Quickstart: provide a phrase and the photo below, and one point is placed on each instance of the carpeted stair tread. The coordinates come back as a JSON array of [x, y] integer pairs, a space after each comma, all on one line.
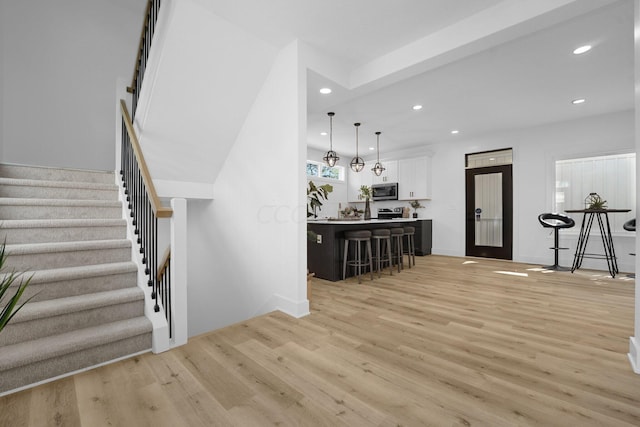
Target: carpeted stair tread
[[24, 353], [80, 272], [38, 248], [22, 201], [55, 174], [58, 184], [56, 307], [27, 231], [62, 223]]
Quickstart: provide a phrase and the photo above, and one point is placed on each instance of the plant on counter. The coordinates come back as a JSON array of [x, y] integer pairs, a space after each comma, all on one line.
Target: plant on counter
[[415, 204], [315, 195], [9, 308], [365, 192]]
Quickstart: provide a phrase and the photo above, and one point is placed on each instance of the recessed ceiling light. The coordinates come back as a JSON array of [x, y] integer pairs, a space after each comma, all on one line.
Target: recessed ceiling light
[[372, 148], [578, 101], [455, 131], [323, 133], [417, 107], [325, 91], [582, 49]]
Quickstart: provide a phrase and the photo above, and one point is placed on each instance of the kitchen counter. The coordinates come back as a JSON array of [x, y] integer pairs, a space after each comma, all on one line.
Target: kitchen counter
[[360, 221], [324, 255]]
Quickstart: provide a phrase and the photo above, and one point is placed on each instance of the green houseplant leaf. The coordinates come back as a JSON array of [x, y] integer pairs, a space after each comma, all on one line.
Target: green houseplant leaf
[[10, 307]]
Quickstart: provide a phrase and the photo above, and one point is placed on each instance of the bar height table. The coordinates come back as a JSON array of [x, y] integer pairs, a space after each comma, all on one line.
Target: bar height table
[[605, 232]]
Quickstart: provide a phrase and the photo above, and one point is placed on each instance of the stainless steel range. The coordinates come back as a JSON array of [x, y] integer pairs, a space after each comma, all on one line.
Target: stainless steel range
[[389, 213]]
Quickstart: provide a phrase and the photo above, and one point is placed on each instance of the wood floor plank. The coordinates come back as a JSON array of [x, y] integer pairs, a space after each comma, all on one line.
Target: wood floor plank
[[449, 342]]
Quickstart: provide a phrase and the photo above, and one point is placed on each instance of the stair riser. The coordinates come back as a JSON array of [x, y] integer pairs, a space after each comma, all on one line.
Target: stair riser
[[70, 288], [40, 371], [59, 212], [38, 192], [52, 174], [16, 236], [16, 332], [41, 261]]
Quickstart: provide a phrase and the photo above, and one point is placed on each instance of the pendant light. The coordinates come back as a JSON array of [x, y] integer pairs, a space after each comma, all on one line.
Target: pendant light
[[331, 157], [357, 164], [378, 168]]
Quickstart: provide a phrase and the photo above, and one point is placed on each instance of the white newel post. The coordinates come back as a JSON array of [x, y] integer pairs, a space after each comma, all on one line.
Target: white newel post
[[179, 271]]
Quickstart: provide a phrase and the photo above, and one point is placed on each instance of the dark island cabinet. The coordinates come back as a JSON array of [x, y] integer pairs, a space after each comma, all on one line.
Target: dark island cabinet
[[324, 254]]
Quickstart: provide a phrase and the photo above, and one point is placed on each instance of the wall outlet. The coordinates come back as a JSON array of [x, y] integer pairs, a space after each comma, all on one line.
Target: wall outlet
[[319, 238]]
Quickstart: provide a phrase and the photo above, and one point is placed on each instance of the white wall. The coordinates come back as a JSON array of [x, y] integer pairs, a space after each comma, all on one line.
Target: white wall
[[247, 248], [204, 76], [535, 151], [61, 62]]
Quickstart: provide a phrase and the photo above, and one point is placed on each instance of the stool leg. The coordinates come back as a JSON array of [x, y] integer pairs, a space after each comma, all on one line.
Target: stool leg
[[556, 247], [378, 256], [388, 247], [344, 263], [413, 249], [370, 258], [358, 258]]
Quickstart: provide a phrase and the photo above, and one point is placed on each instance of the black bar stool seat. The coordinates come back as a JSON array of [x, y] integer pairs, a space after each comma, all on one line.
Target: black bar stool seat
[[382, 238], [556, 221], [358, 237]]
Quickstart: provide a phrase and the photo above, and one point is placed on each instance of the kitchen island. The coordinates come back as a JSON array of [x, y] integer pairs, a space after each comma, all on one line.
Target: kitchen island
[[324, 255]]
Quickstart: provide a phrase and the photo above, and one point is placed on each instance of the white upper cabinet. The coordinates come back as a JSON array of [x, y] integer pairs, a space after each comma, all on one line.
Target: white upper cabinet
[[355, 180], [414, 178], [390, 173]]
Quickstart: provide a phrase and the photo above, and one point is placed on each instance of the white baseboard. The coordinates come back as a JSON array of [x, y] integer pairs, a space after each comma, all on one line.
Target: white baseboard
[[634, 354], [288, 306]]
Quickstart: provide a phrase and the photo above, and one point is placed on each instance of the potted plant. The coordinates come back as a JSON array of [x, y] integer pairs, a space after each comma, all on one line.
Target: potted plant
[[594, 201], [315, 195], [10, 307], [415, 204], [366, 194]]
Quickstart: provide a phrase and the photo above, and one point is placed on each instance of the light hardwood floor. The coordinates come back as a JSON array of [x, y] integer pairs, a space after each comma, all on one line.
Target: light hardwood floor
[[450, 342]]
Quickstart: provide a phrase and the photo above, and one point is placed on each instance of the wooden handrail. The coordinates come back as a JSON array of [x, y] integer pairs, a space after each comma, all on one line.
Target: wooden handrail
[[131, 88], [166, 259], [158, 209]]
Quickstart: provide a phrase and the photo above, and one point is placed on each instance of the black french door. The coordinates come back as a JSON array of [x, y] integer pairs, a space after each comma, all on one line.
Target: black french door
[[489, 212]]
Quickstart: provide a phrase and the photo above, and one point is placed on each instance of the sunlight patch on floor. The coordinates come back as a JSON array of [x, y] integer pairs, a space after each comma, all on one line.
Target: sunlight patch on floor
[[470, 262], [512, 273]]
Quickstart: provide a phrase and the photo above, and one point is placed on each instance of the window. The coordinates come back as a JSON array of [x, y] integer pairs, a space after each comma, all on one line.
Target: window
[[320, 170], [612, 177]]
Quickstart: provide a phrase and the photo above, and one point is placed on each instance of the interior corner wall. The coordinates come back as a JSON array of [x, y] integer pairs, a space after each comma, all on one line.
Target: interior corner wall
[[61, 63], [247, 247], [535, 152]]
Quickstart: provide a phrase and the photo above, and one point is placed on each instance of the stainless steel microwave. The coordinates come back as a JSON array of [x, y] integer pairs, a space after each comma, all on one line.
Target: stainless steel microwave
[[386, 191]]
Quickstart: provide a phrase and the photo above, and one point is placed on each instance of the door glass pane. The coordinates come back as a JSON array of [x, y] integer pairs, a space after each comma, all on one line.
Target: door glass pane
[[488, 210]]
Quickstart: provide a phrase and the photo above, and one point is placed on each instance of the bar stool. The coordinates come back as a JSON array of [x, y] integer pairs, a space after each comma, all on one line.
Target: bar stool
[[556, 221], [382, 235], [409, 232], [397, 250], [630, 226], [358, 237]]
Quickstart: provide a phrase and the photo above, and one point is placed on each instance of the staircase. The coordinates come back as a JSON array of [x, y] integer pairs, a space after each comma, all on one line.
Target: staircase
[[66, 227]]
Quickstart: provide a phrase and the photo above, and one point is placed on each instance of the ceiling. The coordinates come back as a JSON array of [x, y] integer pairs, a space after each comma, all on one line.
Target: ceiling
[[528, 80]]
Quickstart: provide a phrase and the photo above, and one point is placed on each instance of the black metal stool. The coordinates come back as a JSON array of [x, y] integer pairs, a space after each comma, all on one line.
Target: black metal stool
[[382, 237], [397, 249], [409, 232], [630, 226], [556, 221], [358, 237]]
